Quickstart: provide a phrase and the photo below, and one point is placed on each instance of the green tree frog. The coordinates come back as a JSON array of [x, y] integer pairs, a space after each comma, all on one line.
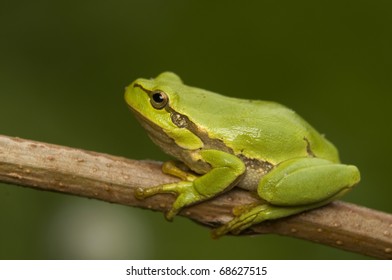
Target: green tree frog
[[259, 146]]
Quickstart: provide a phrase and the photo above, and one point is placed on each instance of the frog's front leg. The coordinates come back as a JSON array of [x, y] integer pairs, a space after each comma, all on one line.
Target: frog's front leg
[[226, 170], [294, 186]]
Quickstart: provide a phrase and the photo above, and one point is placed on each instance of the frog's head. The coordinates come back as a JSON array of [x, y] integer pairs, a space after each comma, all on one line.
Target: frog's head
[[155, 103], [151, 97]]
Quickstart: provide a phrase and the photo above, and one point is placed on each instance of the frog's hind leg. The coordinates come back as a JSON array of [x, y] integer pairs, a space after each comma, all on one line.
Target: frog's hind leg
[[292, 187], [263, 212]]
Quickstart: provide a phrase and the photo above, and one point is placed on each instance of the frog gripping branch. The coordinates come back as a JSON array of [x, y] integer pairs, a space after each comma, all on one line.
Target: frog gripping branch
[[259, 146]]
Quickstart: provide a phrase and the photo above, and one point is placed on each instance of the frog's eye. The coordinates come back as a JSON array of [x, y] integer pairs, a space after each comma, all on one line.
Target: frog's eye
[[158, 99]]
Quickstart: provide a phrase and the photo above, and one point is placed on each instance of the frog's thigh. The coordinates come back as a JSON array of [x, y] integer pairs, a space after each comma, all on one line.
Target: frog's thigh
[[304, 181]]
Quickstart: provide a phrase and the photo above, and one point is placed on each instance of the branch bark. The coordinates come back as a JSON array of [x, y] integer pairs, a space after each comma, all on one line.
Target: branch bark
[[114, 179]]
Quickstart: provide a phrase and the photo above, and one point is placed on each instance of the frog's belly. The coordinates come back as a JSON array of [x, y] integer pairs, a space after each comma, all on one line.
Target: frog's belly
[[255, 170]]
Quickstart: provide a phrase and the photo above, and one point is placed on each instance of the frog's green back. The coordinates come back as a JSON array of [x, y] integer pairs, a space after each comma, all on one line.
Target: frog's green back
[[256, 129]]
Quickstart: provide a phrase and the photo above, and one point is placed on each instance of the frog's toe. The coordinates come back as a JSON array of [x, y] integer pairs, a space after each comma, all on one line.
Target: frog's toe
[[169, 215], [219, 232], [241, 209], [247, 218], [235, 226], [140, 193]]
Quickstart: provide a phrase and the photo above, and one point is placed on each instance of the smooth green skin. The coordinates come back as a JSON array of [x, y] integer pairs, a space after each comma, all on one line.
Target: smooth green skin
[[256, 145]]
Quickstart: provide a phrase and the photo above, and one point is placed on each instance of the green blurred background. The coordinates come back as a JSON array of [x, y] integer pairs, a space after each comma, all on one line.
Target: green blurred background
[[64, 66]]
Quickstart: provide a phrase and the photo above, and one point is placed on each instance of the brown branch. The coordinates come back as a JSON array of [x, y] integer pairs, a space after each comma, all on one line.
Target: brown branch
[[114, 179]]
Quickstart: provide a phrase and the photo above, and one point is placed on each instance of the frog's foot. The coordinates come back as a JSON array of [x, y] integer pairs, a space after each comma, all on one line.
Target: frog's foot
[[186, 195], [255, 215], [242, 220], [185, 191], [226, 169]]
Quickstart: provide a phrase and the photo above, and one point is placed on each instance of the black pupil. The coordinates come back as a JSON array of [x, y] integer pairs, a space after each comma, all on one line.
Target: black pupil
[[158, 98]]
